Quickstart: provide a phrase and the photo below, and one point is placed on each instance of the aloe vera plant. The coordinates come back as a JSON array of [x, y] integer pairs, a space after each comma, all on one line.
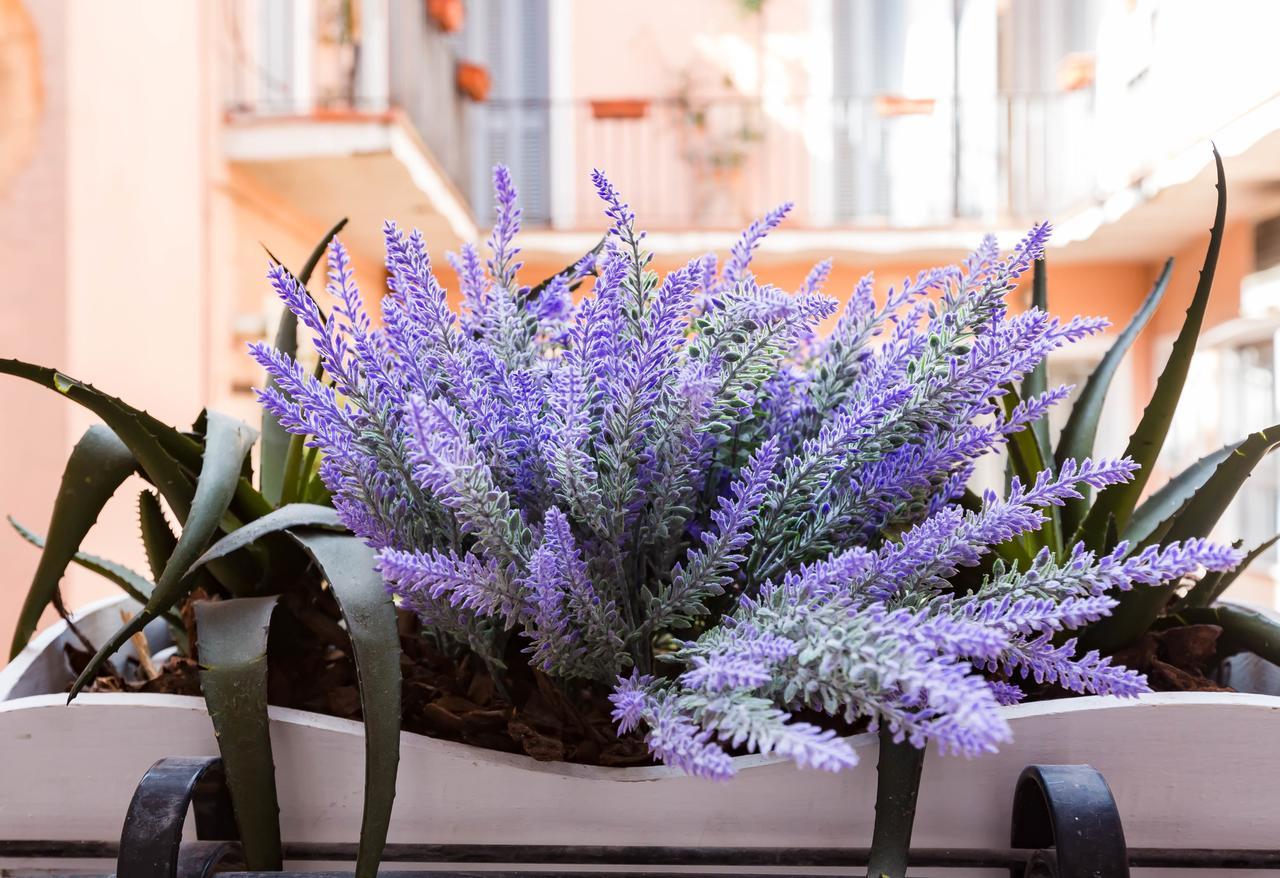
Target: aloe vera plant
[[1188, 506], [245, 541]]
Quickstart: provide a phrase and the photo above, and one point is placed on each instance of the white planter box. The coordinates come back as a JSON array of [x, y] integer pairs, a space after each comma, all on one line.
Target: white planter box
[[1188, 770]]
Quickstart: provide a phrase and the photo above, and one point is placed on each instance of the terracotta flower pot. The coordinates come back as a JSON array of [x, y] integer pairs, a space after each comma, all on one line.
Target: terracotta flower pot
[[620, 108], [447, 15], [473, 80], [899, 105]]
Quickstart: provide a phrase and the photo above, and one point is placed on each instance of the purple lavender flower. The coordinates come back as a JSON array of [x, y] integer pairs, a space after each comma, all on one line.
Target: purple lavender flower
[[684, 458], [736, 268], [506, 226]]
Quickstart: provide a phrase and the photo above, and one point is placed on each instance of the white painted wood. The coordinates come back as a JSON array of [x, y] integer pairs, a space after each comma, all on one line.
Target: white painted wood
[[1188, 770], [42, 667]]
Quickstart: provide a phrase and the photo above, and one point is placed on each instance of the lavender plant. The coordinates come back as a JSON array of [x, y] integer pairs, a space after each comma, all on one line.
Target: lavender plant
[[678, 489]]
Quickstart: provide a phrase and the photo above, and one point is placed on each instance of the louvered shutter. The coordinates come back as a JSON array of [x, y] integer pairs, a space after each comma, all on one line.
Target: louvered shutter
[[868, 58], [511, 37]]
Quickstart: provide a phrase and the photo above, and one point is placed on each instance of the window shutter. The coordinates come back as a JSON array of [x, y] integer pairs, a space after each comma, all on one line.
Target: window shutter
[[275, 49], [870, 43], [513, 127]]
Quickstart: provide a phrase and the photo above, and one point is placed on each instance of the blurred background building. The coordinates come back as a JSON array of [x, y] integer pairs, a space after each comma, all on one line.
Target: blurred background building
[[150, 150]]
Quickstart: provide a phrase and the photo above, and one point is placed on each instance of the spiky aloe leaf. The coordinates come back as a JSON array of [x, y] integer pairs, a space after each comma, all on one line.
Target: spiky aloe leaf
[[1081, 429], [1140, 607], [1037, 380], [98, 465], [158, 539], [1028, 457], [1201, 512], [1147, 440], [1158, 509], [227, 443], [165, 454], [158, 543], [233, 678], [536, 289], [1242, 629], [275, 439], [132, 583], [283, 519], [370, 617], [1205, 592]]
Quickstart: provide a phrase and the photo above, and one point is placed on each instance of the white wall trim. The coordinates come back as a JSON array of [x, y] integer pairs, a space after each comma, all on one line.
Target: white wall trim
[[266, 141]]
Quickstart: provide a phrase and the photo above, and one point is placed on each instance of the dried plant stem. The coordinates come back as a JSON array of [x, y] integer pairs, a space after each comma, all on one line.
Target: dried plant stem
[[145, 665]]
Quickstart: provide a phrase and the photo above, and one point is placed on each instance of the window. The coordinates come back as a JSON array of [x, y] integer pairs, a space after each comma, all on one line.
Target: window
[[514, 126], [1231, 391]]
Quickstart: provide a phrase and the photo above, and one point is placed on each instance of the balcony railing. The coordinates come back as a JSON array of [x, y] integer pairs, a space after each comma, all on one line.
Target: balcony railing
[[869, 162], [685, 162], [333, 58]]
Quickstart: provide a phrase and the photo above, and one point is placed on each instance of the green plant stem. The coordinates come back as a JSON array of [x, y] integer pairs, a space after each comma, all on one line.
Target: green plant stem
[[308, 469], [292, 470], [897, 787]]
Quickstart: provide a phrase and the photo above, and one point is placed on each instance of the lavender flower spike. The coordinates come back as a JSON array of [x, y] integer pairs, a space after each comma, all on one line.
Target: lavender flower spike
[[678, 489]]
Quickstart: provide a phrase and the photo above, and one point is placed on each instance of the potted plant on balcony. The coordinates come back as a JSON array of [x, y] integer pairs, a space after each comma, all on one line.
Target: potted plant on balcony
[[667, 518], [447, 15], [473, 80]]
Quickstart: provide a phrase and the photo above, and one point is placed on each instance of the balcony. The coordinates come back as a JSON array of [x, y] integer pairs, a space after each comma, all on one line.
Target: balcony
[[366, 121], [347, 109], [859, 163]]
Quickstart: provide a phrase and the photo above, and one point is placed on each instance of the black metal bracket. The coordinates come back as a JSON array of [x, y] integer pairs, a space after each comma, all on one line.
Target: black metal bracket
[[1067, 815], [151, 841]]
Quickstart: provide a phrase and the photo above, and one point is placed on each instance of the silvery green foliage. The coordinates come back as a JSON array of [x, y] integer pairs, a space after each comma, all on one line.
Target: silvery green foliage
[[677, 488]]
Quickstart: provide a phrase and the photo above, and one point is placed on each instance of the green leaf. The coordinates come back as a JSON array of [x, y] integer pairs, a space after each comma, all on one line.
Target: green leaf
[[227, 444], [158, 543], [98, 465], [1027, 459], [1081, 429], [1202, 511], [370, 617], [158, 539], [134, 584], [536, 289], [1139, 607], [1037, 380], [1205, 592], [275, 439], [284, 518], [1160, 507], [233, 678], [166, 455], [1242, 629], [1147, 440]]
